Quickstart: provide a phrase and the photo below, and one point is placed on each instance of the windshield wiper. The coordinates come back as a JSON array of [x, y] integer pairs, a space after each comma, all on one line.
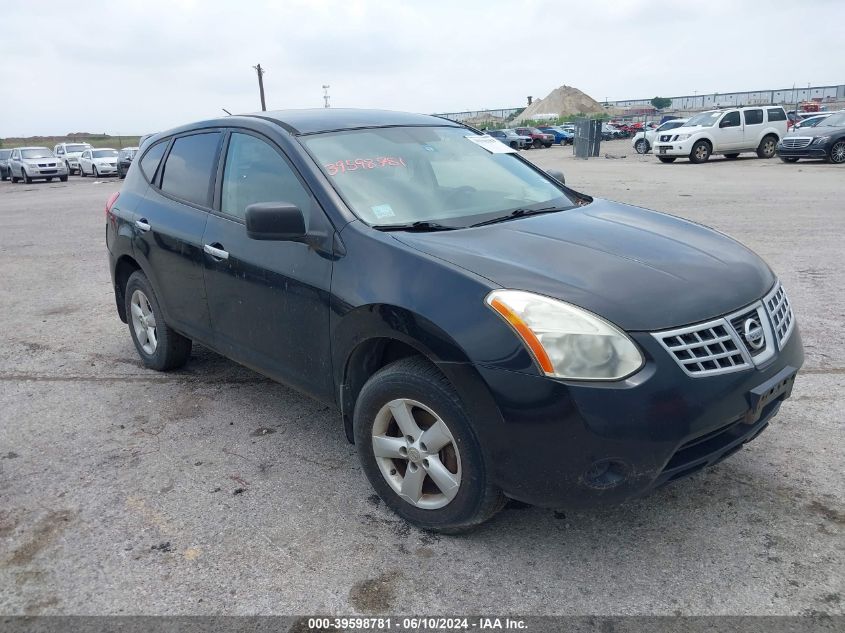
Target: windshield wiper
[[422, 225], [520, 213]]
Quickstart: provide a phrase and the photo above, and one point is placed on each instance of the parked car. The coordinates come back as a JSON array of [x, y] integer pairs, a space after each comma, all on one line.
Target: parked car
[[98, 162], [508, 137], [4, 163], [812, 121], [538, 139], [296, 242], [729, 132], [643, 141], [124, 160], [562, 137], [69, 153], [826, 140], [35, 163]]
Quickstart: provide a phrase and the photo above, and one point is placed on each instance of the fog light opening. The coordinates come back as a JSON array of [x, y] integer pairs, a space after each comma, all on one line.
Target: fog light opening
[[606, 473]]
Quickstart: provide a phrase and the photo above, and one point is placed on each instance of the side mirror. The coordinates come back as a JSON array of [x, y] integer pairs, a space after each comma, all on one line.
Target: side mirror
[[557, 175], [274, 221]]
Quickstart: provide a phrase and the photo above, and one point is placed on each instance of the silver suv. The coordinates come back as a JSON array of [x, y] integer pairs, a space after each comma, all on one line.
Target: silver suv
[[30, 163], [69, 154]]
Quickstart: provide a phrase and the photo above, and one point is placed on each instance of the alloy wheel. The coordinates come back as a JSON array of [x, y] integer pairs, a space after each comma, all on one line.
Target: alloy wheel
[[769, 148], [701, 152], [640, 147], [837, 152], [144, 322], [416, 454]]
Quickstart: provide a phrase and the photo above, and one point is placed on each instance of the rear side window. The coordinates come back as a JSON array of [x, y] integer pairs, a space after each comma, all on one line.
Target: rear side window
[[189, 167], [753, 117], [777, 114], [255, 172], [149, 163]]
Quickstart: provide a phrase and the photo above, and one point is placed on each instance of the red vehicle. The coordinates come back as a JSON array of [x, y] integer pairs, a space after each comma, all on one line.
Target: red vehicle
[[538, 139]]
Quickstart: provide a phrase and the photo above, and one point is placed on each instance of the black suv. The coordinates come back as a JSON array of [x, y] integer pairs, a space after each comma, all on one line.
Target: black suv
[[485, 331]]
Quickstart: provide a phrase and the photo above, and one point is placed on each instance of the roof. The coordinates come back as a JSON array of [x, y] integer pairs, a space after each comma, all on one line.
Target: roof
[[315, 120]]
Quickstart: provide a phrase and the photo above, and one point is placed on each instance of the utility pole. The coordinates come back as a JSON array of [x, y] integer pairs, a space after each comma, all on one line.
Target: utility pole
[[326, 95], [260, 71]]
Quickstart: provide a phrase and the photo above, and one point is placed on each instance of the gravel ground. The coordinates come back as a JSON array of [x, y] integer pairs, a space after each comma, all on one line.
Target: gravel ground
[[213, 490]]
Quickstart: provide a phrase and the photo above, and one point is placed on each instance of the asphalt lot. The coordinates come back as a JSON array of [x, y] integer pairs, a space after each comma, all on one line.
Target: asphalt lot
[[118, 486]]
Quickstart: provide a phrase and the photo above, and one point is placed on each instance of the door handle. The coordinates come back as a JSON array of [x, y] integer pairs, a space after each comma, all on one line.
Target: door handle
[[217, 253], [142, 225]]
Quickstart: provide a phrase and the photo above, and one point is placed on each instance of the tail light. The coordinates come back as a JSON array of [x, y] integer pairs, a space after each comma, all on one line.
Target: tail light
[[110, 202]]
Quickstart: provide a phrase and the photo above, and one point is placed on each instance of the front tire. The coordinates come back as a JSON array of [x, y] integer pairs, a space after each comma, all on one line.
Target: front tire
[[837, 153], [82, 173], [700, 152], [641, 146], [767, 147], [94, 172], [418, 450], [27, 180], [537, 144], [160, 347]]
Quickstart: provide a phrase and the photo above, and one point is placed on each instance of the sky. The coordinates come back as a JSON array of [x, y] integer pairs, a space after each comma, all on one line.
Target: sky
[[138, 67]]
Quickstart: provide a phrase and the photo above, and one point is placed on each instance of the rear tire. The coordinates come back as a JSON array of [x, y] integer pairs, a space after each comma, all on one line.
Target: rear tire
[[767, 147], [667, 159], [413, 391], [160, 347], [789, 159]]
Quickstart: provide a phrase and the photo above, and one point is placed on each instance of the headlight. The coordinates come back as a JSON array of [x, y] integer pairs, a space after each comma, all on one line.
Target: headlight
[[567, 341], [821, 140], [682, 137]]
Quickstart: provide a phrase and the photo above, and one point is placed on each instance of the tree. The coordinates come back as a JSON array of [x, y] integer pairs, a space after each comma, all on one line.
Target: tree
[[661, 102]]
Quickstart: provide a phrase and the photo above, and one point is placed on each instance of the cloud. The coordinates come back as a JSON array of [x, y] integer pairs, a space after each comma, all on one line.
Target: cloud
[[140, 67]]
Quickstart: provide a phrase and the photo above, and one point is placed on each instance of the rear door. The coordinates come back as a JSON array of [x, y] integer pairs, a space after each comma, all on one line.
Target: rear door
[[269, 300], [730, 136], [754, 126], [169, 224]]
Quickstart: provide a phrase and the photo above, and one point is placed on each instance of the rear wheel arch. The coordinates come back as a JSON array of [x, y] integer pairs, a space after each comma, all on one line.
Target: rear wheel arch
[[123, 269]]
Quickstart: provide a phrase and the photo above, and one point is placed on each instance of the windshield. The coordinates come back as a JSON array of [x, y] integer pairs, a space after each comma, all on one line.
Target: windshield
[[402, 175], [36, 152], [670, 125], [72, 149], [104, 153], [834, 120], [705, 119]]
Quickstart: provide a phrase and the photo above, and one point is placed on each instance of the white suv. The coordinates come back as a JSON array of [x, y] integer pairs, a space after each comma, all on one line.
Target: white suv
[[730, 132], [69, 154]]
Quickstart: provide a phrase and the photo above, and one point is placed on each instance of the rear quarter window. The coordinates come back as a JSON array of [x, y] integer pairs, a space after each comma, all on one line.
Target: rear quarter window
[[149, 163], [776, 114]]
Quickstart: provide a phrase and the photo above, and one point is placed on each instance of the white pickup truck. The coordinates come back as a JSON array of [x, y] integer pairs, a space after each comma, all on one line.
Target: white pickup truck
[[729, 132]]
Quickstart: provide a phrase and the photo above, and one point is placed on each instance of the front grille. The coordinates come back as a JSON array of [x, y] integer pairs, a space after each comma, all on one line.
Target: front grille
[[706, 349], [798, 142], [780, 312], [46, 164], [738, 324]]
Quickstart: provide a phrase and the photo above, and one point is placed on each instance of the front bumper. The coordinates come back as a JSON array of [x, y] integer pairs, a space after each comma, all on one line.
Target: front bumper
[[675, 148], [105, 170], [562, 444], [811, 151]]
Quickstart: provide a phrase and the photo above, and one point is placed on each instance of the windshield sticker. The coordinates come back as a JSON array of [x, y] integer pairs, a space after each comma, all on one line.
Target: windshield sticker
[[491, 144], [343, 166], [382, 211]]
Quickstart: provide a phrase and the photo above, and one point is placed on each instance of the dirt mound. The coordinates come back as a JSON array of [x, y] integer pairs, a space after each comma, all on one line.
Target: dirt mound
[[562, 101]]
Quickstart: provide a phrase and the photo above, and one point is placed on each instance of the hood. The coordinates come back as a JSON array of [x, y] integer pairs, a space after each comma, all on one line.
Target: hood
[[640, 269]]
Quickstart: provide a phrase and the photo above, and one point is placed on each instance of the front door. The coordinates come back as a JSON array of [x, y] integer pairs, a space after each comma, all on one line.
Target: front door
[[730, 132], [268, 300]]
